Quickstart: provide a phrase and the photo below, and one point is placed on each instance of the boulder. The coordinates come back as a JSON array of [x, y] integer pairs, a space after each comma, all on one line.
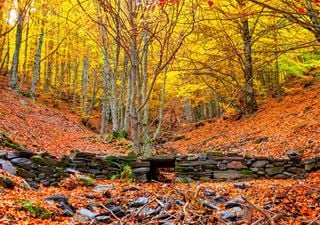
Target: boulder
[[295, 170], [229, 175], [260, 163], [7, 166], [236, 165], [274, 170]]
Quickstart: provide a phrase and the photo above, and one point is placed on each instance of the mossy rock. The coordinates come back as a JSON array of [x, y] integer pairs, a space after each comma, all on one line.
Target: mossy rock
[[24, 173], [86, 181], [309, 167], [36, 210], [38, 160], [215, 153], [274, 170], [246, 172], [6, 182]]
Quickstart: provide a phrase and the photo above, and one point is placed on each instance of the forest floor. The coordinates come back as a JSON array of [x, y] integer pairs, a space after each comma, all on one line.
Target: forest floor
[[278, 126], [290, 124]]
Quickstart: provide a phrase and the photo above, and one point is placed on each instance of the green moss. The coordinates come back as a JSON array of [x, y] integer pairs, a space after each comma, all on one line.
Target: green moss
[[246, 172], [87, 181], [127, 174], [38, 160], [6, 182], [36, 210], [215, 153]]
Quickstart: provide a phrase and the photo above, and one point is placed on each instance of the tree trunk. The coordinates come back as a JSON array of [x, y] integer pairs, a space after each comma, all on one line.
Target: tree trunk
[[36, 69], [15, 61], [250, 101], [85, 81]]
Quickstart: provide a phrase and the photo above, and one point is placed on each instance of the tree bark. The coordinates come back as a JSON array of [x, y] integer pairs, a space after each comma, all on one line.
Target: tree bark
[[250, 100], [15, 61], [36, 68]]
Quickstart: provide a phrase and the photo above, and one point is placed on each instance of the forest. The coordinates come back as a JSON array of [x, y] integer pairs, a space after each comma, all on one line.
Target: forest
[[159, 112]]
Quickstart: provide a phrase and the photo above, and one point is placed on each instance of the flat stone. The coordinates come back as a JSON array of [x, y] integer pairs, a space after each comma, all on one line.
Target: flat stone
[[102, 188], [87, 213], [229, 175], [141, 170], [7, 166], [274, 170], [260, 163], [234, 202], [210, 205], [309, 167], [57, 198], [102, 218], [293, 155], [3, 154], [22, 162], [236, 165], [222, 166], [141, 201], [25, 173], [228, 215], [295, 170]]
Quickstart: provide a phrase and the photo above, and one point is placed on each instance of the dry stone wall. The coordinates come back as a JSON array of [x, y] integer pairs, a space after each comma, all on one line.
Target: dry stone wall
[[43, 168], [215, 165]]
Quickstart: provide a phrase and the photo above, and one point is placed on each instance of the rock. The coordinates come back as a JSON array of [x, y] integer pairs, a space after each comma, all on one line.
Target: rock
[[25, 153], [280, 176], [274, 170], [234, 203], [209, 193], [141, 201], [102, 218], [57, 198], [260, 163], [116, 210], [228, 216], [211, 206], [47, 170], [219, 199], [87, 213], [102, 188], [141, 178], [67, 209], [71, 171], [7, 166], [45, 182], [295, 170], [230, 174], [141, 170], [6, 182], [168, 223], [240, 185], [11, 155], [22, 162], [222, 166], [3, 154], [293, 155], [179, 202], [33, 185], [37, 160], [309, 167], [236, 165], [24, 173]]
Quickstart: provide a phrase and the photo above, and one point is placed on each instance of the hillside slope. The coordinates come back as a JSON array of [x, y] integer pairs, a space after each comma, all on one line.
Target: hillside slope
[[42, 128], [291, 124]]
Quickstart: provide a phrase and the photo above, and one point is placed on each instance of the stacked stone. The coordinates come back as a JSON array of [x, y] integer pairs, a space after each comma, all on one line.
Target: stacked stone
[[48, 170], [215, 165]]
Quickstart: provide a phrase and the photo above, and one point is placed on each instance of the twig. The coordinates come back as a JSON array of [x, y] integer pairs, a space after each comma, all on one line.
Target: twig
[[315, 220], [106, 208], [267, 215]]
